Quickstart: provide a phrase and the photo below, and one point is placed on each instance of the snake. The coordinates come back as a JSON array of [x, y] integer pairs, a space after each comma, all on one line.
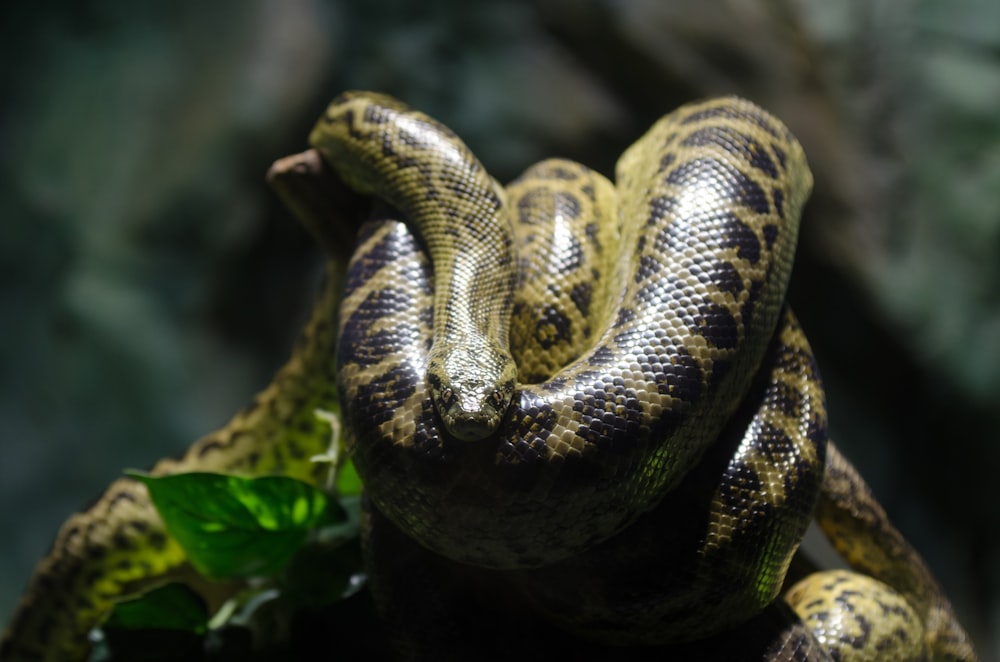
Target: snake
[[591, 395]]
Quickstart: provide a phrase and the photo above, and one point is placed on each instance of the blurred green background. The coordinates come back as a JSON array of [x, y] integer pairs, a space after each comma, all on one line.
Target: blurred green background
[[151, 282]]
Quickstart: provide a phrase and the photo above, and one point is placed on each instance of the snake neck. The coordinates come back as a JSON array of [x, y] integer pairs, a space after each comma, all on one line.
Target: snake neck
[[380, 147], [470, 369]]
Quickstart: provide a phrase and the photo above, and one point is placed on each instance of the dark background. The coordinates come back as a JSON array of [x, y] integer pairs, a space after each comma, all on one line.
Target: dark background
[[151, 283]]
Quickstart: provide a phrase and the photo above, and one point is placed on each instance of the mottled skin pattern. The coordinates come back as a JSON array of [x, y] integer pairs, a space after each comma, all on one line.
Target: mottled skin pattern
[[564, 221], [664, 544], [861, 532], [852, 612]]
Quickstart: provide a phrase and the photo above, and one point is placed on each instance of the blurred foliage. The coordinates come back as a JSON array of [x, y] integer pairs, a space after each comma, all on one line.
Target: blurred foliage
[[152, 284], [300, 548]]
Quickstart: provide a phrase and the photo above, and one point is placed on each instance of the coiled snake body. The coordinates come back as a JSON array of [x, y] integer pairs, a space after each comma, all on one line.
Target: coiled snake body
[[592, 396], [696, 275]]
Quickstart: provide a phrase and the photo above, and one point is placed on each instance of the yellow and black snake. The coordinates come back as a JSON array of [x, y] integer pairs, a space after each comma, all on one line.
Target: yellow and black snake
[[588, 396]]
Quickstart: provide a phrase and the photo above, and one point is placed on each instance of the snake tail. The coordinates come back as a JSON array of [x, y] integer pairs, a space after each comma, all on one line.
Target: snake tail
[[889, 600]]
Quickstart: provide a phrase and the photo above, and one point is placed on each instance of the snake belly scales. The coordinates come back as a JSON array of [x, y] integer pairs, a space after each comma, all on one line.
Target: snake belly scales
[[570, 382]]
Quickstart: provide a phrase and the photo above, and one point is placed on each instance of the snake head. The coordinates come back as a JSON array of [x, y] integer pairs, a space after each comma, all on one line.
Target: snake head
[[471, 390]]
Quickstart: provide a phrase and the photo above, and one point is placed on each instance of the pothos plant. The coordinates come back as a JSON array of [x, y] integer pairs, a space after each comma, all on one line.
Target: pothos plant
[[293, 548]]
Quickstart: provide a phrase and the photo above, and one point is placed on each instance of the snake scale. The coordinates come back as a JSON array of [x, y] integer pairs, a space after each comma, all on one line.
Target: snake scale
[[587, 400]]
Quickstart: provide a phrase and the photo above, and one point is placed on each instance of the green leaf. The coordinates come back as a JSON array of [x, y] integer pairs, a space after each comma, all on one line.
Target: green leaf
[[170, 607], [322, 573], [233, 527], [168, 623], [348, 480]]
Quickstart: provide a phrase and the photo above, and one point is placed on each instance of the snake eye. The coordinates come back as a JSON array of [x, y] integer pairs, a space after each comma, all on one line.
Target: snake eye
[[497, 399], [446, 396]]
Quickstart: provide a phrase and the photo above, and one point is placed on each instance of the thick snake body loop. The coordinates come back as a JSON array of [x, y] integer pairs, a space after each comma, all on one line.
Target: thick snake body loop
[[709, 204], [566, 225], [716, 549]]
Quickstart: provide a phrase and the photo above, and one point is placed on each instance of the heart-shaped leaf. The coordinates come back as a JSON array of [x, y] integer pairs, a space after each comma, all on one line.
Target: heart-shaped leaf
[[233, 527]]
